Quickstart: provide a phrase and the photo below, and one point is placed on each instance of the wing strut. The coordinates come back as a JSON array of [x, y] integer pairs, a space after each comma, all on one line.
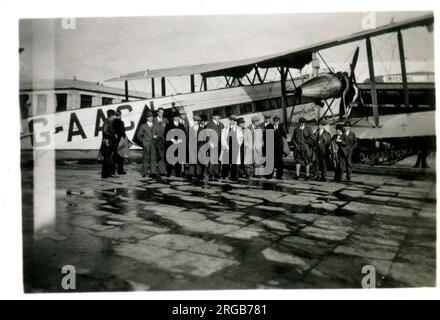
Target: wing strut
[[283, 72], [403, 69], [372, 83]]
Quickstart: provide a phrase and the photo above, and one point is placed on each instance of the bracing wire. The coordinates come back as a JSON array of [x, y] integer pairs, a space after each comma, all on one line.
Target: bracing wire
[[374, 56], [172, 86], [325, 62], [387, 70]]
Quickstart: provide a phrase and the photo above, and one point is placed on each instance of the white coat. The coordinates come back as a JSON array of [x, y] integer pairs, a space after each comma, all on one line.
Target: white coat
[[238, 137]]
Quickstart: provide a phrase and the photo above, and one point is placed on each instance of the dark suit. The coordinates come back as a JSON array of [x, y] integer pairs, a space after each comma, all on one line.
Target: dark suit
[[178, 166], [107, 148], [345, 150], [302, 139], [214, 169], [279, 135], [350, 144], [161, 124], [185, 123], [320, 147], [196, 168], [146, 135], [422, 145], [119, 128], [264, 126], [229, 164]]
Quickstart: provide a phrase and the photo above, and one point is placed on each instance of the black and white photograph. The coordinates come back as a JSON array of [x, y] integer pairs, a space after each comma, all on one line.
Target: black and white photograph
[[266, 151]]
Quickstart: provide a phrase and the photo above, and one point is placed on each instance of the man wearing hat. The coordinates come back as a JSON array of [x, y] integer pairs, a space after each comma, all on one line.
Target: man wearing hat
[[202, 126], [321, 145], [267, 121], [267, 124], [185, 122], [253, 146], [231, 140], [338, 152], [184, 119], [350, 143], [107, 148], [279, 135], [174, 124], [203, 120], [302, 140], [122, 144], [216, 126], [148, 133], [196, 168], [242, 170], [160, 121]]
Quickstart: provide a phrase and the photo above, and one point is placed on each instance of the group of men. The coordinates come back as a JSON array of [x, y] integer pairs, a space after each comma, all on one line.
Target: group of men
[[234, 150], [319, 147], [230, 151]]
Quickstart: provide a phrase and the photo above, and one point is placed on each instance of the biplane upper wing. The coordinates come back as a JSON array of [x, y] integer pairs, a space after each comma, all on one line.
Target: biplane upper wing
[[296, 58]]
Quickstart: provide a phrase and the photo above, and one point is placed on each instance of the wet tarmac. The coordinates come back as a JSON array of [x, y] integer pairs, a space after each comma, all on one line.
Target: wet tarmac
[[132, 233]]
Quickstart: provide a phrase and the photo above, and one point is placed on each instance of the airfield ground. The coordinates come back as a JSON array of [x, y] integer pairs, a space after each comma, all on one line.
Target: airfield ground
[[133, 233]]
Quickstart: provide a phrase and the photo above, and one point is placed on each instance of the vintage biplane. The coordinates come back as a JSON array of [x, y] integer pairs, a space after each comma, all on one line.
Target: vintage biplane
[[249, 92]]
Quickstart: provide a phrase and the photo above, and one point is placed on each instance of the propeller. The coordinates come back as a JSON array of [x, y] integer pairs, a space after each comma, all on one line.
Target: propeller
[[353, 65], [351, 82]]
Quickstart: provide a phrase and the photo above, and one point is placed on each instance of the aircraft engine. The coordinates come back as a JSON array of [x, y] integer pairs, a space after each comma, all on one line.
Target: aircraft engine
[[324, 86]]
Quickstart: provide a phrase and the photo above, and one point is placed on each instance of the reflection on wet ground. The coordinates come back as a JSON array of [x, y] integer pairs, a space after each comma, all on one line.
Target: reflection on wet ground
[[133, 233]]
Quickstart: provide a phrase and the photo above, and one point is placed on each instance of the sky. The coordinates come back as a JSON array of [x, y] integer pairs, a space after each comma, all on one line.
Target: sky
[[97, 49]]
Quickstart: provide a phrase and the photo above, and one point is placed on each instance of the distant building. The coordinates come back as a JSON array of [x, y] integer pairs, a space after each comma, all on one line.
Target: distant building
[[390, 94], [419, 76], [60, 95]]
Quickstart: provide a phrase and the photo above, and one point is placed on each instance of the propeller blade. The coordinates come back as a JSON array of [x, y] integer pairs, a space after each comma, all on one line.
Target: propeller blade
[[353, 63]]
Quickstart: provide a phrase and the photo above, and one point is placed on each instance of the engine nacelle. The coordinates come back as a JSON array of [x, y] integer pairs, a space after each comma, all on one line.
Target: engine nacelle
[[325, 86]]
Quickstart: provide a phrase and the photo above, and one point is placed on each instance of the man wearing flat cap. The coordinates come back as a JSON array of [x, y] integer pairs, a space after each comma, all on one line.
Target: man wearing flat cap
[[341, 150], [267, 120], [255, 121], [350, 144], [216, 126], [302, 140]]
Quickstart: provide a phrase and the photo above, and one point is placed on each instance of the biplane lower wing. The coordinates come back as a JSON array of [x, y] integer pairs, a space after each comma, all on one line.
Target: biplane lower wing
[[396, 126]]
